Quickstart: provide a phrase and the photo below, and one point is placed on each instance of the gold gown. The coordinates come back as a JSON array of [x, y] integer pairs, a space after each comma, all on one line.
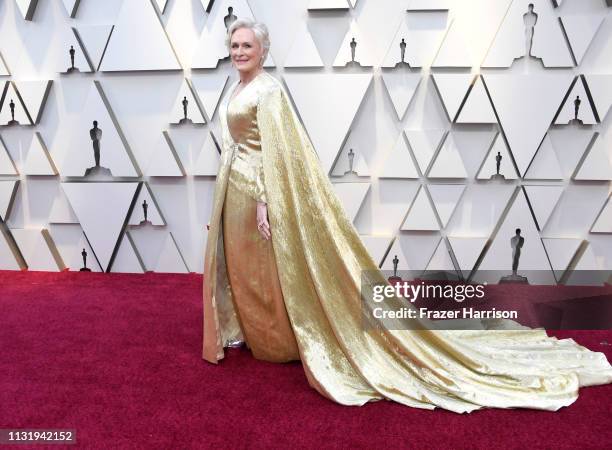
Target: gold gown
[[316, 258]]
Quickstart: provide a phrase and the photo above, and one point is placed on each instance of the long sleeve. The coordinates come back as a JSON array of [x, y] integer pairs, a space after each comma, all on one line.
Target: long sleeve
[[260, 186]]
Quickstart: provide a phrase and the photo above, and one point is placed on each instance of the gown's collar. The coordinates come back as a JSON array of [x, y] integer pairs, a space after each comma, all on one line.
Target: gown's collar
[[231, 98]]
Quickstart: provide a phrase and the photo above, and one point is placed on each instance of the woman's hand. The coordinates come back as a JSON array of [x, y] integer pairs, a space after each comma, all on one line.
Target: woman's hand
[[263, 226]]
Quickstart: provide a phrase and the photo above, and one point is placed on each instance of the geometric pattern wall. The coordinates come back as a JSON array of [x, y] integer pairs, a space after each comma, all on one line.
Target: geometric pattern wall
[[410, 104]]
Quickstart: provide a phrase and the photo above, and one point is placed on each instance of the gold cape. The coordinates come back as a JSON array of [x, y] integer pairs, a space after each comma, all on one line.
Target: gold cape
[[320, 259]]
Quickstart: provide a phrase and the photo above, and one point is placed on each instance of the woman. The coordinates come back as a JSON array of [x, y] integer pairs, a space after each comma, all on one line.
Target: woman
[[283, 266]]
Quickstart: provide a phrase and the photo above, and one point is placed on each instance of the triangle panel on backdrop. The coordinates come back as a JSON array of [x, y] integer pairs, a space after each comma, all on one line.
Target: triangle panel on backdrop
[[94, 40], [38, 160], [8, 189], [377, 246], [424, 144], [351, 195], [441, 260], [165, 161], [161, 5], [413, 250], [603, 223], [488, 170], [542, 200], [533, 261], [561, 252], [209, 88], [194, 114], [401, 87], [422, 43], [545, 164], [27, 8], [208, 160], [452, 89], [454, 50], [71, 242], [597, 164], [71, 7], [576, 106], [570, 145], [34, 95], [38, 249], [477, 107], [399, 162], [61, 211], [114, 154], [589, 269], [421, 216], [127, 259], [327, 103], [445, 198], [7, 166], [481, 210], [139, 41], [586, 271], [580, 30], [71, 47], [354, 41], [11, 96], [303, 51], [8, 255], [601, 90], [146, 202], [207, 5], [102, 210], [466, 251], [170, 259], [526, 105], [448, 162], [547, 44], [4, 71], [471, 32]]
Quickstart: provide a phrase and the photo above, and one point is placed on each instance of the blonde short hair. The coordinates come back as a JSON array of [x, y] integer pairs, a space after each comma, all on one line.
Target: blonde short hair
[[259, 29]]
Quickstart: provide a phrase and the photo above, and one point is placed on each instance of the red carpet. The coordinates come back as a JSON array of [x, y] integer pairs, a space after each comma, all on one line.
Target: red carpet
[[117, 357]]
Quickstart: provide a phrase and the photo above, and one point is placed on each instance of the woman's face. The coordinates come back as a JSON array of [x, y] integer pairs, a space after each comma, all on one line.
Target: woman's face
[[245, 50]]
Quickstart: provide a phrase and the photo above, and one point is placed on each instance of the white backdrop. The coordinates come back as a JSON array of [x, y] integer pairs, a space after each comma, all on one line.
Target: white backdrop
[[424, 134]]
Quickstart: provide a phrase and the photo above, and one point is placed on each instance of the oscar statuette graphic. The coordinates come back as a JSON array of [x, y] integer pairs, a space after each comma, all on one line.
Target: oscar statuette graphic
[[516, 242], [395, 278], [84, 268]]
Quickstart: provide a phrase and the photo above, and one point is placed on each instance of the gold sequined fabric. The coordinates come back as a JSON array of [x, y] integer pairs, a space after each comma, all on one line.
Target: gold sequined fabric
[[319, 259], [247, 164], [256, 290]]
